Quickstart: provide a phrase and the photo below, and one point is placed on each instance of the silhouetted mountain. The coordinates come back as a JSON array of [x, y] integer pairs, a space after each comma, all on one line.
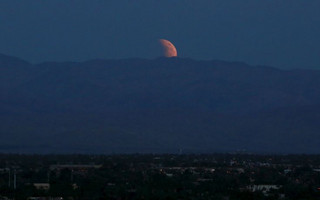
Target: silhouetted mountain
[[160, 105]]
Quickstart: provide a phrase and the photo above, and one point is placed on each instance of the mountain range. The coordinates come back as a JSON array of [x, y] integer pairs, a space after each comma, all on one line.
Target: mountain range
[[162, 105]]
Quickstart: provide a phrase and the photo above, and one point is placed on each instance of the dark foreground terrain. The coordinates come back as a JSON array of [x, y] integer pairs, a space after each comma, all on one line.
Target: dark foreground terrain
[[217, 176]]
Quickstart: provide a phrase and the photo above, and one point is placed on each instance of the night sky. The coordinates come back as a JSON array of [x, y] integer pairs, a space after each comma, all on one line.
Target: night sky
[[279, 33]]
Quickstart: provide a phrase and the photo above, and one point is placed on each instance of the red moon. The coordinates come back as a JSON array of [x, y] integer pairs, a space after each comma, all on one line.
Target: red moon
[[168, 48]]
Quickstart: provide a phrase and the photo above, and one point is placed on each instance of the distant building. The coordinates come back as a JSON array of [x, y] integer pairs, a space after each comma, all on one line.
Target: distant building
[[265, 189], [75, 167], [4, 170], [44, 198], [286, 171], [42, 186], [4, 198]]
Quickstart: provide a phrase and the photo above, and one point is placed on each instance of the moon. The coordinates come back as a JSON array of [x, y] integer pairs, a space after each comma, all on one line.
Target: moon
[[169, 49]]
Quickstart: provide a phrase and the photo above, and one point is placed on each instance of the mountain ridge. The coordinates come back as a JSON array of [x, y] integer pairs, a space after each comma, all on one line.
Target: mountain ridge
[[157, 105]]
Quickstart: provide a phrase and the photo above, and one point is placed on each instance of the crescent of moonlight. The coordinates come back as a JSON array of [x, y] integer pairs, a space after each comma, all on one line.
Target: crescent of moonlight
[[168, 48]]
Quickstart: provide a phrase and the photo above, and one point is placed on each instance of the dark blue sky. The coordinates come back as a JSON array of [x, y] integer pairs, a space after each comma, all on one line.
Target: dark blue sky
[[280, 33]]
